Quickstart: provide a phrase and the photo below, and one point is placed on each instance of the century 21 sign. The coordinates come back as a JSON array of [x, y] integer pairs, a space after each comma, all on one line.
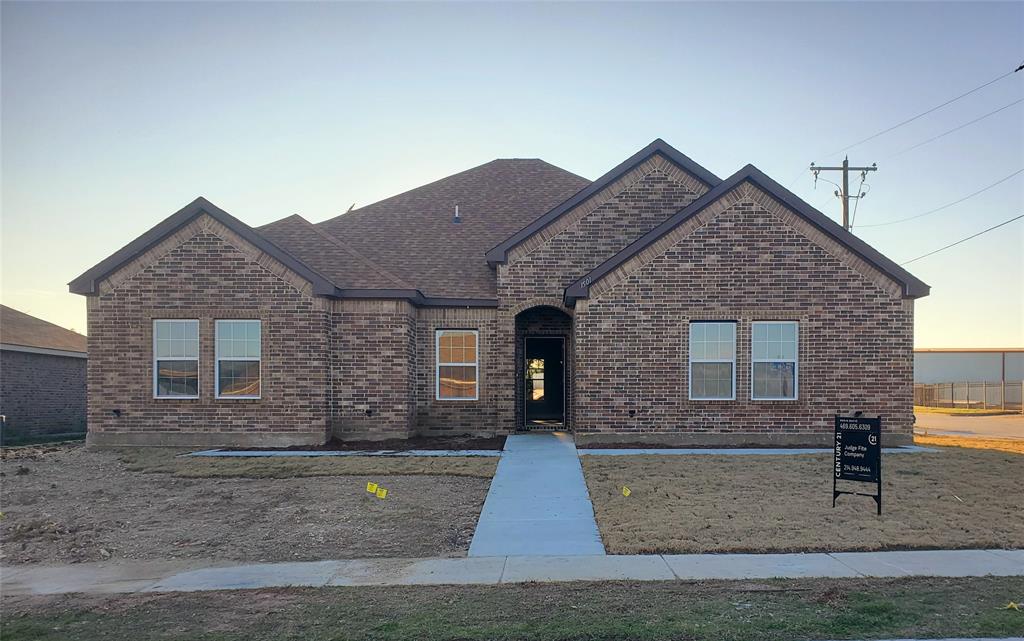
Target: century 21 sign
[[858, 454]]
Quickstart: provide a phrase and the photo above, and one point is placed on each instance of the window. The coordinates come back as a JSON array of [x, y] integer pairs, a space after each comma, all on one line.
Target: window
[[774, 360], [176, 358], [712, 361], [238, 358], [457, 365]]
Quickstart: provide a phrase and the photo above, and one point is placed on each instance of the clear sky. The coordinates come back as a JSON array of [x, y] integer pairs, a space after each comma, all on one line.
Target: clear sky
[[115, 115]]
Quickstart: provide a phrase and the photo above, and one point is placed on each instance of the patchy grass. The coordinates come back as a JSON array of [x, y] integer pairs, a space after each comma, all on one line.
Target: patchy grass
[[161, 460], [703, 611], [961, 411], [955, 498], [972, 442]]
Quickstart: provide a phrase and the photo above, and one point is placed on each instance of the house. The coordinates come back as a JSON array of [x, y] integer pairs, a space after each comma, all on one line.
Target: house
[[42, 378], [657, 303]]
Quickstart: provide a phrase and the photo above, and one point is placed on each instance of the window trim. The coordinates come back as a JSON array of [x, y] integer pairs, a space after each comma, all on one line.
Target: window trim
[[795, 361], [692, 360], [217, 359], [156, 360], [438, 365]]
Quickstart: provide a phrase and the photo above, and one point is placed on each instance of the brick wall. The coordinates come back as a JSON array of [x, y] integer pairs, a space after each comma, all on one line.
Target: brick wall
[[373, 366], [41, 394], [493, 411], [596, 230], [206, 272], [748, 259], [539, 269]]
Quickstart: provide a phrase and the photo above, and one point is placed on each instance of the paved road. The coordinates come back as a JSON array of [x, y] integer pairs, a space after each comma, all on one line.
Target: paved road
[[1011, 426]]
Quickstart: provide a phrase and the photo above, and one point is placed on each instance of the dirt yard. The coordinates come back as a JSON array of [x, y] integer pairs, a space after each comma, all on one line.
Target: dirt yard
[[954, 498], [66, 504]]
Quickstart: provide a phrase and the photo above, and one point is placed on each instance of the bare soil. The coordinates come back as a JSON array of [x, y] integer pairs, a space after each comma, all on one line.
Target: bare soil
[[455, 442], [953, 498], [66, 504]]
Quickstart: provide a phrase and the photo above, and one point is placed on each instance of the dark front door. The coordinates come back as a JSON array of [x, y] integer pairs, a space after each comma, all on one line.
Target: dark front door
[[544, 387]]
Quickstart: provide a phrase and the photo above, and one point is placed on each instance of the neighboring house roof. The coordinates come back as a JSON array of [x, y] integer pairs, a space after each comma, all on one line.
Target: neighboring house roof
[[18, 329], [88, 282], [912, 287], [499, 253], [413, 237]]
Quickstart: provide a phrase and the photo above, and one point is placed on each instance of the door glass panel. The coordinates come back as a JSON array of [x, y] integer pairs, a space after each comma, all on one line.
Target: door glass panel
[[535, 374]]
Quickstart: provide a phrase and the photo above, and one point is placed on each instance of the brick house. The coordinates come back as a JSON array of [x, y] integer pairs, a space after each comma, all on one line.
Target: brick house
[[42, 377], [658, 303]]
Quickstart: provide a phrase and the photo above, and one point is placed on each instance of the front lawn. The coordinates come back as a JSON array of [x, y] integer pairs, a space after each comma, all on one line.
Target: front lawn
[[788, 610], [66, 504], [953, 498]]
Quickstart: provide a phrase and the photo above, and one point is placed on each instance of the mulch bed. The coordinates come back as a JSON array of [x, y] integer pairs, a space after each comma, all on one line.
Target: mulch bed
[[695, 446], [459, 442]]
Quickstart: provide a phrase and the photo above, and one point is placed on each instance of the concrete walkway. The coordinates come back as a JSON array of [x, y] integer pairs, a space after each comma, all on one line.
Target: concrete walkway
[[183, 576], [538, 503]]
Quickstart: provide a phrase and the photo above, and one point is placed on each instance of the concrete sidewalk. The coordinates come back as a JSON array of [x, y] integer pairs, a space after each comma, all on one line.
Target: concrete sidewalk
[[111, 577], [538, 503]]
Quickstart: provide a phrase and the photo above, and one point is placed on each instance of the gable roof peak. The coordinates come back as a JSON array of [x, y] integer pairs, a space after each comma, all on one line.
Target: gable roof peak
[[912, 286], [88, 283], [499, 253]]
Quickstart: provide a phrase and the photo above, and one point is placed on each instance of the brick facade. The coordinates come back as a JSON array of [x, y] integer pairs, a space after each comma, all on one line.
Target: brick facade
[[366, 367], [742, 263], [373, 366], [41, 394], [205, 272], [492, 412]]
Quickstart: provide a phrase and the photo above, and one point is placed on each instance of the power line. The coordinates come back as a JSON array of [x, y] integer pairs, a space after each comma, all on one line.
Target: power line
[[947, 205], [964, 240], [954, 129], [925, 113]]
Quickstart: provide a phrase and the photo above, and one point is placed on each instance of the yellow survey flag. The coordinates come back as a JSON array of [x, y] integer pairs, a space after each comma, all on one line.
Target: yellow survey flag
[[382, 492], [626, 491], [371, 487]]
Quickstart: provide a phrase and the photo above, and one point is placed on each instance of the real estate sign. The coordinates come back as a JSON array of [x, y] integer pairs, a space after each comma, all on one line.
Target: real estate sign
[[857, 454]]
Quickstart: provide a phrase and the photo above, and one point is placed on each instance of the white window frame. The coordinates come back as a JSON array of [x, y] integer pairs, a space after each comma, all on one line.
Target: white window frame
[[692, 360], [438, 364], [217, 359], [156, 361], [795, 361]]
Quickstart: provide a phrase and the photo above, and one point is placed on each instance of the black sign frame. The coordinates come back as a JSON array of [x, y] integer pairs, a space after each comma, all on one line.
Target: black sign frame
[[857, 454]]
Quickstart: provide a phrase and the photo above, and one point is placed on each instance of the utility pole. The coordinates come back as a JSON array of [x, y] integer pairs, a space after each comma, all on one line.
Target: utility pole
[[844, 194]]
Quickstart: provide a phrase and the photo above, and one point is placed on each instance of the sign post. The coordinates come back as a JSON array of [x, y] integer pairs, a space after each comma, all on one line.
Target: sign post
[[858, 454]]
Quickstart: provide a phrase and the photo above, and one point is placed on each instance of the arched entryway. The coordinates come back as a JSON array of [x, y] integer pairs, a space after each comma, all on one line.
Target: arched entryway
[[543, 368]]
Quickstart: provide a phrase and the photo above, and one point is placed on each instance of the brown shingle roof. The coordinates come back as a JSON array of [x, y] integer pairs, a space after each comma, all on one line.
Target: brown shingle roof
[[328, 255], [413, 238], [18, 328]]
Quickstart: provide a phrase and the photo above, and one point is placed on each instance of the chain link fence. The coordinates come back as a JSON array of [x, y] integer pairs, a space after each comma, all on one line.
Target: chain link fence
[[971, 395]]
